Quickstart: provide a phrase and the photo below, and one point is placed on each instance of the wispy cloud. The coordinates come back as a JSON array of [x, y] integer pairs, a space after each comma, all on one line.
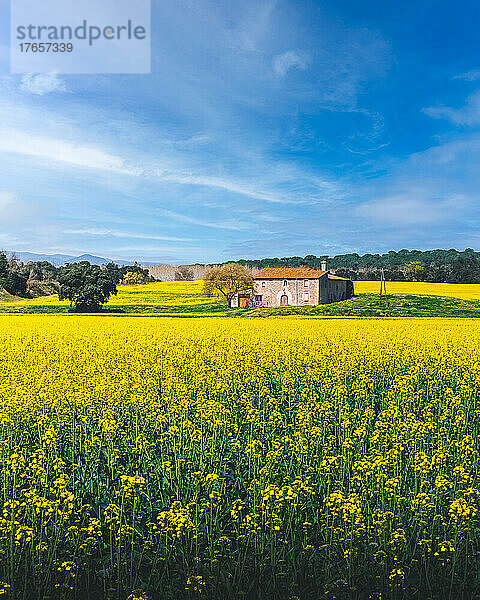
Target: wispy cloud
[[91, 156], [469, 114], [253, 26], [233, 225], [413, 207], [50, 149], [154, 249], [244, 188], [12, 208], [8, 240], [6, 199], [292, 59], [126, 234], [42, 83], [468, 76]]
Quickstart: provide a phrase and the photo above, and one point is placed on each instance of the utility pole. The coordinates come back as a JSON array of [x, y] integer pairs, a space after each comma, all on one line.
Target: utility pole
[[383, 286]]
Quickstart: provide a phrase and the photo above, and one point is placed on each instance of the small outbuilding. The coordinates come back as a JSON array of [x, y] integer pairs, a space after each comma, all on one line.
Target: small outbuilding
[[294, 287]]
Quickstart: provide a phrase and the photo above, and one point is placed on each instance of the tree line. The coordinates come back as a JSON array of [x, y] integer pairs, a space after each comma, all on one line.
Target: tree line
[[87, 286], [439, 266]]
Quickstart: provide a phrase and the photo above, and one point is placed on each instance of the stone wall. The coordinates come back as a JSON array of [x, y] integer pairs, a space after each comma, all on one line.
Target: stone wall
[[336, 290], [167, 272]]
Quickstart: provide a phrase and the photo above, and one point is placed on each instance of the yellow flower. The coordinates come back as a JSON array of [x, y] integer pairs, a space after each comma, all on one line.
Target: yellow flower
[[138, 595], [195, 583]]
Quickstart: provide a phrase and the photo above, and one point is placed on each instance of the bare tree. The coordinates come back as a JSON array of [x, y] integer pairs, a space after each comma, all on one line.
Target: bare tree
[[227, 280], [13, 263]]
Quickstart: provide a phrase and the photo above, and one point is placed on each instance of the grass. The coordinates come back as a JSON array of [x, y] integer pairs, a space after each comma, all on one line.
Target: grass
[[370, 305], [6, 297]]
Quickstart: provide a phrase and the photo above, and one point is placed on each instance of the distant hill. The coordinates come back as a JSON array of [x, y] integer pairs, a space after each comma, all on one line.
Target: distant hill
[[60, 259]]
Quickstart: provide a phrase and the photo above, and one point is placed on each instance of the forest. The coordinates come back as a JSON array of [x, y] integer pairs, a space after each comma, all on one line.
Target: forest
[[440, 266]]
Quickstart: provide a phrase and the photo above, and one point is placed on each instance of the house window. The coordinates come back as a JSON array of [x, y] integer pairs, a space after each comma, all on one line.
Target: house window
[[306, 282], [305, 296], [263, 283], [284, 283], [258, 298]]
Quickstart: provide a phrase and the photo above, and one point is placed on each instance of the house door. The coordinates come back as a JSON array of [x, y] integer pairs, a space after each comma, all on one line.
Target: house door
[[283, 300], [244, 302]]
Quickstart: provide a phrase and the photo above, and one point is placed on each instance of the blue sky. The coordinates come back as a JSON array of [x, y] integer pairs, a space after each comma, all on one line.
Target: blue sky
[[266, 128]]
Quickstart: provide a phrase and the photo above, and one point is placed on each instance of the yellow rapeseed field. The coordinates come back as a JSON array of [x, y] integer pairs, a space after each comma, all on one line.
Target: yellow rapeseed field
[[176, 294], [167, 293], [464, 291], [232, 458]]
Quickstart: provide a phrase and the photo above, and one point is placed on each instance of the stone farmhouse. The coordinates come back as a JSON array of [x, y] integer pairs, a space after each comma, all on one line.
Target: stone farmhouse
[[294, 287]]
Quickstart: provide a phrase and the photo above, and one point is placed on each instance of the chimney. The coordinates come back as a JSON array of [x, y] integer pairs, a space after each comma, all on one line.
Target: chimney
[[324, 265]]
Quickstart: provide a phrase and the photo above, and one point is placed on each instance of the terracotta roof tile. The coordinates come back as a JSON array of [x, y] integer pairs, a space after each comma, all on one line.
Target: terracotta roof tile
[[288, 273]]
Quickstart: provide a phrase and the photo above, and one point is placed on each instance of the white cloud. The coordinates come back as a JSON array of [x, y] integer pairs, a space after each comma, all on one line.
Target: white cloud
[[289, 60], [7, 240], [42, 83], [193, 141], [253, 27], [121, 234], [148, 250], [92, 157], [229, 185], [233, 225], [50, 149], [468, 76], [415, 207], [469, 114], [7, 199]]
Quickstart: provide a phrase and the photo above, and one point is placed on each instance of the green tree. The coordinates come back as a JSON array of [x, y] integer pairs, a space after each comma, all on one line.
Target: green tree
[[3, 265], [86, 286], [10, 277], [227, 280], [136, 268], [134, 278], [39, 271], [14, 284], [414, 269], [114, 271]]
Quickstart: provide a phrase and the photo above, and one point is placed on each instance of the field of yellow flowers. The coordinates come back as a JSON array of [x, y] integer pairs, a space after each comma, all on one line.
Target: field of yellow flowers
[[177, 296], [239, 458], [188, 296], [464, 291]]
